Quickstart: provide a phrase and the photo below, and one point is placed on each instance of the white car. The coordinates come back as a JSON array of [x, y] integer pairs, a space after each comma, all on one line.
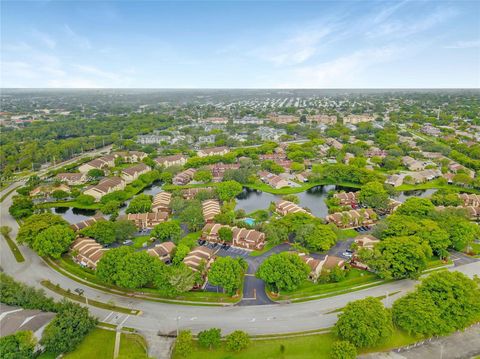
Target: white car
[[346, 254]]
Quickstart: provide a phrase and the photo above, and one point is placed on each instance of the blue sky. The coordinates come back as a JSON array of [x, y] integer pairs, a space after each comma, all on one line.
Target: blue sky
[[240, 44]]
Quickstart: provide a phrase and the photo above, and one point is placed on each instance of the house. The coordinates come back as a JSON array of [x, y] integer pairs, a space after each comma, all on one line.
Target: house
[[273, 180], [214, 151], [146, 220], [161, 202], [456, 168], [470, 199], [206, 139], [286, 207], [16, 319], [190, 193], [87, 223], [163, 251], [317, 266], [248, 120], [152, 139], [323, 119], [174, 160], [353, 218], [430, 130], [72, 179], [199, 257], [334, 143], [87, 252], [131, 156], [425, 175], [47, 190], [354, 119], [376, 152], [241, 237], [210, 209], [130, 174], [215, 120], [347, 198], [105, 186], [395, 180], [98, 163], [184, 177], [219, 169], [413, 164], [270, 133], [366, 241], [283, 119]]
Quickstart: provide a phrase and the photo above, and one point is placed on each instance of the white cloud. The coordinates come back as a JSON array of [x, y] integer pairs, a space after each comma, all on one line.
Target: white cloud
[[46, 39], [468, 44], [81, 41], [95, 71]]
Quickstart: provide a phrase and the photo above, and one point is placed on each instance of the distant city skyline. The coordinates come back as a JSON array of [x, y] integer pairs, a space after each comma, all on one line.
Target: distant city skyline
[[233, 44]]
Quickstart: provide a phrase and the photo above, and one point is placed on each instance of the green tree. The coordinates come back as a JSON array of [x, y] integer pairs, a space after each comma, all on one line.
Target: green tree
[[373, 195], [181, 279], [316, 237], [34, 225], [225, 234], [85, 199], [210, 338], [67, 330], [343, 349], [59, 194], [228, 190], [110, 208], [5, 231], [53, 241], [283, 271], [167, 231], [416, 207], [95, 173], [102, 231], [227, 273], [184, 343], [22, 207], [192, 216], [180, 253], [20, 345], [124, 230], [364, 323], [140, 204], [237, 341], [400, 257], [203, 176]]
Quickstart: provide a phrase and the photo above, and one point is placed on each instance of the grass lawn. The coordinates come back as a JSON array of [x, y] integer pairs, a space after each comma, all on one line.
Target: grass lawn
[[343, 234], [132, 346], [355, 277], [73, 204], [435, 184], [14, 248], [315, 346], [267, 247], [98, 344], [292, 190], [138, 241]]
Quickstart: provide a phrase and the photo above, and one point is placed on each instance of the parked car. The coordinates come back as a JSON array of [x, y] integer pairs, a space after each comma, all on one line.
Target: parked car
[[347, 254], [127, 242]]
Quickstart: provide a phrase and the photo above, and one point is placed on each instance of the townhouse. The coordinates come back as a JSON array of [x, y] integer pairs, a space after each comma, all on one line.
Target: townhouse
[[283, 119], [161, 202], [84, 224], [131, 156], [219, 169], [214, 151], [323, 119], [130, 174], [105, 186], [184, 177], [319, 266], [353, 218], [199, 258], [190, 193], [354, 119], [248, 120], [210, 209], [241, 237], [286, 207], [98, 163], [87, 252], [146, 220], [347, 198], [72, 179], [174, 160], [273, 180], [47, 190], [163, 251], [366, 241], [470, 199], [413, 164]]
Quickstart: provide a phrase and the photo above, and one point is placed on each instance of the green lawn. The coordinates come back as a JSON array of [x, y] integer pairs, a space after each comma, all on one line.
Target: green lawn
[[355, 277], [343, 234], [315, 346], [434, 184], [14, 248], [292, 190], [98, 344], [132, 346], [267, 247], [138, 241]]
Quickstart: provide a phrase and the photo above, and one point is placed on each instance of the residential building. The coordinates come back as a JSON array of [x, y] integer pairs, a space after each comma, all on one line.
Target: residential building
[[353, 218], [248, 120], [270, 133], [153, 139], [131, 156], [319, 266], [218, 169], [47, 190], [98, 163], [323, 119], [241, 237], [395, 180], [87, 252], [413, 164], [146, 220], [286, 207], [354, 119], [283, 119], [161, 202], [347, 198], [184, 177], [210, 209], [215, 120], [430, 130], [214, 151], [470, 199], [72, 179], [366, 241], [84, 224], [198, 258], [334, 143], [206, 139], [163, 251], [105, 186], [130, 174], [174, 160], [190, 193], [273, 180]]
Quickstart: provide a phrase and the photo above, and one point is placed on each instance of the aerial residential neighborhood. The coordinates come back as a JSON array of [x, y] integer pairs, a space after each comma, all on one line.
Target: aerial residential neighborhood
[[240, 179]]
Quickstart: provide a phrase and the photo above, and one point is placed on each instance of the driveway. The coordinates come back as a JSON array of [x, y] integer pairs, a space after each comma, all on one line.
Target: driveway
[[459, 258]]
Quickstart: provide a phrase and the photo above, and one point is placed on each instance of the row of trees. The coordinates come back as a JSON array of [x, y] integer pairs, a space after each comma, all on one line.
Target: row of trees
[[211, 339]]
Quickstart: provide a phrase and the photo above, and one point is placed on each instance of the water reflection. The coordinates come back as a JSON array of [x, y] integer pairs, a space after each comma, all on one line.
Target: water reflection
[[74, 215]]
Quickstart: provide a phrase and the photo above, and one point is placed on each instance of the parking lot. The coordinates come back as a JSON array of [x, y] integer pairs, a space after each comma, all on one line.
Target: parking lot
[[226, 251]]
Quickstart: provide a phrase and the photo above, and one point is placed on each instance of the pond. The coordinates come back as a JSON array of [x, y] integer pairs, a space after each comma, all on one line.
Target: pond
[[314, 199], [74, 215], [251, 200]]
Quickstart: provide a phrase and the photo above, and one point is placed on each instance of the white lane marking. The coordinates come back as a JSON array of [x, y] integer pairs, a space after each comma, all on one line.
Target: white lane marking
[[123, 322], [193, 318], [253, 320], [108, 316]]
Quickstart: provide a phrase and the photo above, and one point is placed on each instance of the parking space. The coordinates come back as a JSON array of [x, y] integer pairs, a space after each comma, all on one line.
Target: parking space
[[226, 251]]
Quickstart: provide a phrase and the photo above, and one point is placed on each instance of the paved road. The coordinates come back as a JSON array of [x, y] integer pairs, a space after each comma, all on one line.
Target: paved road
[[164, 318]]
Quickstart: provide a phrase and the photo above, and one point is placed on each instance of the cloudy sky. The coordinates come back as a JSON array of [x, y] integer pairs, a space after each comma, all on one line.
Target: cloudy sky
[[240, 44]]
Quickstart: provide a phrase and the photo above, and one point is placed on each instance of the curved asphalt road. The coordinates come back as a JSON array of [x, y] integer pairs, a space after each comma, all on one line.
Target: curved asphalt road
[[166, 318]]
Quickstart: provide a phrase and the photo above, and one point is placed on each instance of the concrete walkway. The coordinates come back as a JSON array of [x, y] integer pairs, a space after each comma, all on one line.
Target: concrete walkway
[[460, 345], [116, 351], [159, 347]]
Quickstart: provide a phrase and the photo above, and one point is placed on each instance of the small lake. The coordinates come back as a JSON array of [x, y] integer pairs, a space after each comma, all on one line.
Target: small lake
[[74, 215], [314, 198]]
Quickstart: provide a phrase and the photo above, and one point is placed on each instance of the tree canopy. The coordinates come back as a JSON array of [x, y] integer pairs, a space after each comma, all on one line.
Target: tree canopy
[[227, 273]]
